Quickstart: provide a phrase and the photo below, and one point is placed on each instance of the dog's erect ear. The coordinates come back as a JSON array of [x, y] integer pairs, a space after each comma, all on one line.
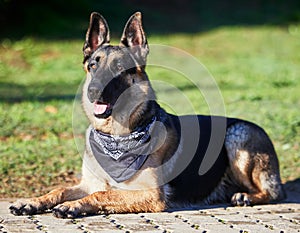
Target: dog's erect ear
[[134, 36], [97, 35]]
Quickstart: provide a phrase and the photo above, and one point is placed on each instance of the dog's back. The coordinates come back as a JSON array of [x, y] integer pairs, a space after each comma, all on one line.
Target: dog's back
[[234, 160]]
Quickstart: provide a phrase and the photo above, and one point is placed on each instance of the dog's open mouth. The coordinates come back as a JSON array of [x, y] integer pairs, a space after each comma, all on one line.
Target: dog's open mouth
[[102, 110]]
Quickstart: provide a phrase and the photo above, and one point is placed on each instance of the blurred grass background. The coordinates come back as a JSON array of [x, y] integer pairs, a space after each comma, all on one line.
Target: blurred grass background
[[252, 49]]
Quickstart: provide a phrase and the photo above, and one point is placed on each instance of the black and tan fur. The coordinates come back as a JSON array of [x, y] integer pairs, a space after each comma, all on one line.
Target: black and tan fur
[[245, 173]]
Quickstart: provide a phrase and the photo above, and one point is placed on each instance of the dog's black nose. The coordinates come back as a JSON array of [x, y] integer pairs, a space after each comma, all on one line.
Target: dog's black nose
[[93, 93]]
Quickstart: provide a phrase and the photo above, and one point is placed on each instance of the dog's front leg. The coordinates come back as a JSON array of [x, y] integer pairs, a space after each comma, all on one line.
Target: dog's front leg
[[112, 201], [47, 201]]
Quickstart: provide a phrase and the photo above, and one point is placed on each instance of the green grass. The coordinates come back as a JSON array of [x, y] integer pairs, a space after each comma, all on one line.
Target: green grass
[[257, 70]]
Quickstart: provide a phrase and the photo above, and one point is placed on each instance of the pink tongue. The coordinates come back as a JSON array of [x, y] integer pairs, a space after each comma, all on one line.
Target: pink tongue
[[100, 108]]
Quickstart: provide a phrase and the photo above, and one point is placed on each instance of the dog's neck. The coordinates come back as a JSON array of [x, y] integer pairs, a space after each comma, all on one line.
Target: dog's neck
[[116, 145]]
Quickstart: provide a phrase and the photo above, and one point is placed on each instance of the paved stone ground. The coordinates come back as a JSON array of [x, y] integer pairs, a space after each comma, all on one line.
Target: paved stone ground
[[282, 217]]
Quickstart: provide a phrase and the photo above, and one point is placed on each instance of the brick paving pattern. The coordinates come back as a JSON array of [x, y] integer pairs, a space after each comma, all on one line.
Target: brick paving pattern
[[282, 217]]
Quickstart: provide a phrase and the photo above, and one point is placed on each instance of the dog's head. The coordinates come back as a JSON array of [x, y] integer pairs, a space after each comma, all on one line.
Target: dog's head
[[117, 87]]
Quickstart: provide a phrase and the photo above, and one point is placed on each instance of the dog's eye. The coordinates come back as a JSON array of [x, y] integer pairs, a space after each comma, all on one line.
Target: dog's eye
[[92, 65], [98, 59]]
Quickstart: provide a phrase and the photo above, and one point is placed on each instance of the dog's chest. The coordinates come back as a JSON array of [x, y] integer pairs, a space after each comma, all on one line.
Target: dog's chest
[[122, 156]]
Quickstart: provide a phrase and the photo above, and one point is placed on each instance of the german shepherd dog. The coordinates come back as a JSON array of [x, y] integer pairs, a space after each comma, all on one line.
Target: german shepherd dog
[[139, 158]]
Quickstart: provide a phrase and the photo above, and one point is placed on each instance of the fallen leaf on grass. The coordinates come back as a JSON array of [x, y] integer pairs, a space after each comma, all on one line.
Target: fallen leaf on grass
[[25, 136], [51, 109]]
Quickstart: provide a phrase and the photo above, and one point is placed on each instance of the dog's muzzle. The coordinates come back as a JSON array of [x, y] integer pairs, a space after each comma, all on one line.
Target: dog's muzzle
[[102, 109], [94, 93]]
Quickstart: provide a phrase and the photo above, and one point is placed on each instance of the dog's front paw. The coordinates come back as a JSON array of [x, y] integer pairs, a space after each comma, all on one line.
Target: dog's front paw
[[70, 209], [240, 199], [26, 207]]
